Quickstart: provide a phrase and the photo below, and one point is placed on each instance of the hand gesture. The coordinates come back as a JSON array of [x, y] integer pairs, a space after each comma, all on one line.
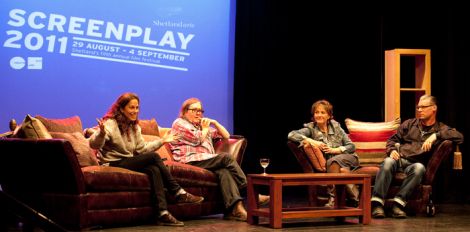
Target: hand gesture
[[329, 150], [101, 125], [313, 143], [205, 122], [428, 142], [170, 137]]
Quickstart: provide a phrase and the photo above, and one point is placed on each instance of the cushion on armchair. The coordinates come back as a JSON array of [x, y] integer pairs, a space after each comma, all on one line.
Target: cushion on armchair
[[316, 157], [371, 138]]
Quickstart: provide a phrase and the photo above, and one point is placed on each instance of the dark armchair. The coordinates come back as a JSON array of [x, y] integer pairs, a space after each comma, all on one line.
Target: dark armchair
[[371, 156], [420, 198]]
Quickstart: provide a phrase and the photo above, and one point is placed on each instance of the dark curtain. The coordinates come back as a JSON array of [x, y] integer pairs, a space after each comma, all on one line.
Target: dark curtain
[[289, 54]]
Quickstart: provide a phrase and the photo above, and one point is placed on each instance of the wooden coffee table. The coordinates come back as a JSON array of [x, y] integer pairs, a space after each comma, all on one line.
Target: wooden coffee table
[[276, 213]]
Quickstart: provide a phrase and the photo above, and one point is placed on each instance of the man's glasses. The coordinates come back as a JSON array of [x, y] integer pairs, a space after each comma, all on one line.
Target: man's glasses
[[197, 110], [422, 107]]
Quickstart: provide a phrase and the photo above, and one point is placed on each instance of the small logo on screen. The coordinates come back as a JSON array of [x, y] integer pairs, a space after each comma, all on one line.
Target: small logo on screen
[[18, 63], [34, 62]]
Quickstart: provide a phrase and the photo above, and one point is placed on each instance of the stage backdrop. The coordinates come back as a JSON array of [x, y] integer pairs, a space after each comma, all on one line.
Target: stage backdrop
[[60, 58]]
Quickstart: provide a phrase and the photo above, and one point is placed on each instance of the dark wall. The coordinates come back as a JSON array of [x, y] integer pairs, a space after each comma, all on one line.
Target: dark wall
[[289, 55]]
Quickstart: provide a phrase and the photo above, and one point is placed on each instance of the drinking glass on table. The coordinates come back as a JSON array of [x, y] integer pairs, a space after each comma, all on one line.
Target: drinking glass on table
[[264, 162]]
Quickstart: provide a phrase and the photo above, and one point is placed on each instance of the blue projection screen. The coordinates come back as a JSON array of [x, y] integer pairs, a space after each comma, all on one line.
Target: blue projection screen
[[61, 58]]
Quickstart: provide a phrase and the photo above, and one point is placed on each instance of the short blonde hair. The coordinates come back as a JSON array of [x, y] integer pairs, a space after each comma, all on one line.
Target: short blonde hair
[[431, 99], [186, 104]]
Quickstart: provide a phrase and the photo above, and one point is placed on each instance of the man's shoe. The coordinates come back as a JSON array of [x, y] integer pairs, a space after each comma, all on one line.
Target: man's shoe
[[236, 216], [238, 213], [169, 220], [397, 212], [378, 212], [188, 198], [263, 200]]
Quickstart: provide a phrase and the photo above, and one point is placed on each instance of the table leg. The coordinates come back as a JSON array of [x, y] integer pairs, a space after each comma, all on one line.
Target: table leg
[[275, 206], [366, 195], [252, 203]]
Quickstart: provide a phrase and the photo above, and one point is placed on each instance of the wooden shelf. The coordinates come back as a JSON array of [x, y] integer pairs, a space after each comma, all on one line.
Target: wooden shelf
[[393, 90], [412, 89]]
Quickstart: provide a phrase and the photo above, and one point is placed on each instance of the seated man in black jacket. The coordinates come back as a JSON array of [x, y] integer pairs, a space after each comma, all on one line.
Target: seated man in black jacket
[[407, 150]]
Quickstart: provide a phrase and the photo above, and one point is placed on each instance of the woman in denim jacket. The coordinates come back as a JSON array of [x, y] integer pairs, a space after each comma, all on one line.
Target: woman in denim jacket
[[327, 134]]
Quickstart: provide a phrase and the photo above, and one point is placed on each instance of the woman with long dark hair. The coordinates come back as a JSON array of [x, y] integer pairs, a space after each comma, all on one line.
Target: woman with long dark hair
[[120, 143]]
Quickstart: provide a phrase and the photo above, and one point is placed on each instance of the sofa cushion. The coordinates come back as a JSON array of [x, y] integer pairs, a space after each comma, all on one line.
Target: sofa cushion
[[104, 178], [31, 128], [149, 127], [85, 155], [164, 151], [370, 138], [368, 169], [315, 156], [67, 125]]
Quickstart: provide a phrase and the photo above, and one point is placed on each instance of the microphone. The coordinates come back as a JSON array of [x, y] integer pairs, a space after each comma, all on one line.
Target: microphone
[[397, 146]]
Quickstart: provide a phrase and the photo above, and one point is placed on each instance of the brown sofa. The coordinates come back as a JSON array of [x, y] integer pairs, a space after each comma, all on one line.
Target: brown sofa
[[47, 175]]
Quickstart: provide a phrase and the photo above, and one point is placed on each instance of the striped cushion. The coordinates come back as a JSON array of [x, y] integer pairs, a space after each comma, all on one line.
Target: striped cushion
[[370, 138]]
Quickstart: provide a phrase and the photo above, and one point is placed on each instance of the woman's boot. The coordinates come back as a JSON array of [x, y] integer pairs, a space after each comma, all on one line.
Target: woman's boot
[[331, 196]]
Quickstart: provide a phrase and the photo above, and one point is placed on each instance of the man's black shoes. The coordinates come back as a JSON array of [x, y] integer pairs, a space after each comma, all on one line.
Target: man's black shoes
[[397, 212], [378, 212]]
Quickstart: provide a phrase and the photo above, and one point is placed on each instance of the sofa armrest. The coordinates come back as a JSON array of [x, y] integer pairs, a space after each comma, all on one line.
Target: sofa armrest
[[40, 166], [441, 153], [235, 145]]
